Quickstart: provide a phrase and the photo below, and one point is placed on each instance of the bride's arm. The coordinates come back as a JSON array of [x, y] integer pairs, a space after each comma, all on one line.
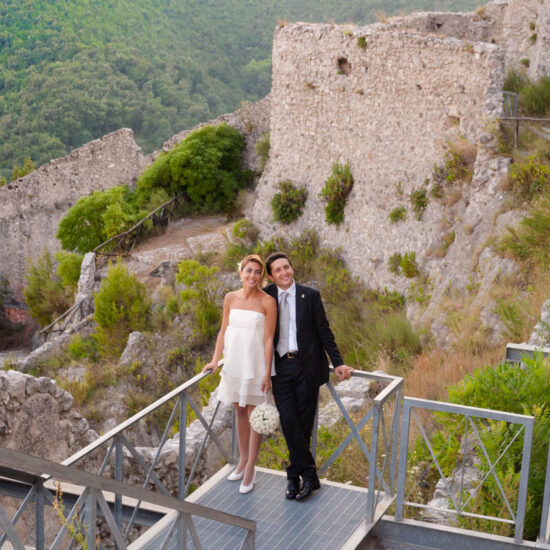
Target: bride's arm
[[269, 332], [213, 365]]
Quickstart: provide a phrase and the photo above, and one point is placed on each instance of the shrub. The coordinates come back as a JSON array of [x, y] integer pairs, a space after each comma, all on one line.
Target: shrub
[[121, 306], [28, 168], [394, 263], [530, 242], [262, 149], [245, 230], [526, 62], [397, 214], [447, 240], [3, 181], [419, 202], [516, 390], [534, 97], [362, 42], [288, 204], [44, 293], [200, 296], [205, 167], [68, 268], [93, 219], [530, 177], [80, 348], [335, 193], [409, 268], [514, 81]]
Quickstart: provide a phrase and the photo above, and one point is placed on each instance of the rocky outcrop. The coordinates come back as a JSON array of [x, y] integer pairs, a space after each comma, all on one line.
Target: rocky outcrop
[[540, 336], [36, 417]]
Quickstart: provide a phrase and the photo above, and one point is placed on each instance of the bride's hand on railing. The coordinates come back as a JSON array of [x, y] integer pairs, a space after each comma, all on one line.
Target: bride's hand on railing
[[266, 384], [210, 367]]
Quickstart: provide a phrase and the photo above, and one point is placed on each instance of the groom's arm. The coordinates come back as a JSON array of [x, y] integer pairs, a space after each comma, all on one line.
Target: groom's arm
[[326, 336]]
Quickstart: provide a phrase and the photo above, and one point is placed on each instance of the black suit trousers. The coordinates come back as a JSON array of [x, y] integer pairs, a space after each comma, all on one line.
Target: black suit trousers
[[296, 401]]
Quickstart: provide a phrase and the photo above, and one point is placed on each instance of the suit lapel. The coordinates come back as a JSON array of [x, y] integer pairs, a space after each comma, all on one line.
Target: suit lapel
[[300, 303]]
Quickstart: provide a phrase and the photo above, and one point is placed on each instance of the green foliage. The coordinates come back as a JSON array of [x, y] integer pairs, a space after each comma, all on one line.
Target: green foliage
[[200, 297], [394, 263], [419, 202], [288, 204], [530, 242], [534, 97], [245, 230], [95, 218], [530, 177], [80, 348], [335, 193], [5, 291], [205, 167], [121, 306], [44, 293], [447, 240], [68, 268], [262, 150], [506, 387], [513, 314], [397, 214], [455, 168], [28, 167], [526, 62], [409, 268], [514, 81], [362, 42]]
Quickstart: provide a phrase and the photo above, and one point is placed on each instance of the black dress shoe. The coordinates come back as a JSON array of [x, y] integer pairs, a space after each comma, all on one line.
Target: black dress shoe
[[307, 488], [292, 488]]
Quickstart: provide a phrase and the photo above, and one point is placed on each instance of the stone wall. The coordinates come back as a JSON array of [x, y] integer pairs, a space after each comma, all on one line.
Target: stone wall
[[32, 207], [406, 95]]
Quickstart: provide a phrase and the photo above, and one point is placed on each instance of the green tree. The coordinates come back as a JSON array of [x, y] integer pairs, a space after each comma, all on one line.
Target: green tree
[[122, 305], [44, 292]]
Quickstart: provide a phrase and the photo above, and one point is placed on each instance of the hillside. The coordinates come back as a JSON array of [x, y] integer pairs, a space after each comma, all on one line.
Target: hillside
[[74, 70]]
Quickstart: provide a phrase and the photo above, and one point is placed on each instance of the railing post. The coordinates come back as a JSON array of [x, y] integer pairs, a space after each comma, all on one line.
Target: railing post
[[544, 534], [395, 429], [91, 519], [403, 452], [182, 445], [371, 494], [118, 477], [523, 482], [39, 511]]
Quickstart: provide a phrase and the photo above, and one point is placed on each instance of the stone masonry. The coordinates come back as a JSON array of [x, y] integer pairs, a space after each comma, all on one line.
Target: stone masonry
[[406, 95], [32, 207]]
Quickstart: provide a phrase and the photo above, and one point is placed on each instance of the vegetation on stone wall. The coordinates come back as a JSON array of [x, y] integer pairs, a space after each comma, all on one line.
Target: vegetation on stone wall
[[335, 193], [122, 305], [262, 150], [288, 204], [398, 214], [419, 201], [404, 264]]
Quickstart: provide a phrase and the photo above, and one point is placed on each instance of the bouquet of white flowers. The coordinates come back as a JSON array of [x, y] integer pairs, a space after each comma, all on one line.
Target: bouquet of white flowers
[[264, 419]]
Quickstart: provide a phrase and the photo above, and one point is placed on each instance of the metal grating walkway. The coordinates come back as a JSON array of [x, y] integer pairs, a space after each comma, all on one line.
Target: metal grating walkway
[[334, 517]]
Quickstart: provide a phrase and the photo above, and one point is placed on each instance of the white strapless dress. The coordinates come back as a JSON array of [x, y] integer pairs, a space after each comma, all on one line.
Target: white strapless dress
[[243, 359]]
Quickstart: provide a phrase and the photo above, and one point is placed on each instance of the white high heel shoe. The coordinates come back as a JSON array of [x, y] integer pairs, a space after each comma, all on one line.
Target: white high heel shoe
[[235, 476], [247, 488]]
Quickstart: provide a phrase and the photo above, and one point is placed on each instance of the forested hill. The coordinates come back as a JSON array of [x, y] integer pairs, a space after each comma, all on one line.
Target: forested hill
[[74, 70]]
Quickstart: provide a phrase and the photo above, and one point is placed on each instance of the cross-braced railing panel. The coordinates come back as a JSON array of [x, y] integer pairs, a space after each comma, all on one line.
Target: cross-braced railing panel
[[80, 523], [375, 433], [473, 431], [544, 534]]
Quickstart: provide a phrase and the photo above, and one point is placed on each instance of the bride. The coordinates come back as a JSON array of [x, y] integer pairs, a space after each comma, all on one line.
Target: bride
[[246, 339]]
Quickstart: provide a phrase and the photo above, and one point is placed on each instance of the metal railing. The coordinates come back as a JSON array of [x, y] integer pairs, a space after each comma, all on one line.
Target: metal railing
[[463, 496], [83, 517], [383, 436]]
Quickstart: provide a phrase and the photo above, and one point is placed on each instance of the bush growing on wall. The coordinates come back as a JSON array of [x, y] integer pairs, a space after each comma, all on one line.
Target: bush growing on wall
[[205, 167], [335, 193], [68, 268], [288, 204], [121, 306]]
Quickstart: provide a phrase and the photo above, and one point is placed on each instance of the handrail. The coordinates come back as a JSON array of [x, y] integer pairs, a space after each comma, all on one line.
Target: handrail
[[138, 224], [136, 418]]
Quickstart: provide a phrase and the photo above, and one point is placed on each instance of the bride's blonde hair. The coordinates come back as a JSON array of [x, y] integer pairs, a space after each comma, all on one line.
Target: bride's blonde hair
[[256, 259]]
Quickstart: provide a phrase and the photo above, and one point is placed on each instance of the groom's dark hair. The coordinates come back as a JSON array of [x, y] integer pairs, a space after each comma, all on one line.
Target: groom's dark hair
[[275, 256]]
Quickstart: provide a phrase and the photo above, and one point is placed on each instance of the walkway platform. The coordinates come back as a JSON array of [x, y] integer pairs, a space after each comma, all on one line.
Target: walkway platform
[[332, 518]]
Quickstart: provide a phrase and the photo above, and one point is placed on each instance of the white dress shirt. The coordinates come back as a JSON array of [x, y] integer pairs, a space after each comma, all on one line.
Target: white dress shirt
[[291, 300]]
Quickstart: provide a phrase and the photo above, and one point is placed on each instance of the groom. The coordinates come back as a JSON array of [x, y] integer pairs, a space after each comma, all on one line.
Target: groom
[[302, 340]]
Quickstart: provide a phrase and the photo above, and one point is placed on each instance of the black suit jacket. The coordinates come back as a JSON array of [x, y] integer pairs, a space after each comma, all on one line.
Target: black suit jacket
[[315, 338]]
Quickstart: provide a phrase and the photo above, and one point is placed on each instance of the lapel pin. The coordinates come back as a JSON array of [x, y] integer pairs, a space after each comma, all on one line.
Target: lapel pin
[[303, 295]]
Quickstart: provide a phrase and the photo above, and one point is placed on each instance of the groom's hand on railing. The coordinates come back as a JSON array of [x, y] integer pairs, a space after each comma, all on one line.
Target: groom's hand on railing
[[343, 372]]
